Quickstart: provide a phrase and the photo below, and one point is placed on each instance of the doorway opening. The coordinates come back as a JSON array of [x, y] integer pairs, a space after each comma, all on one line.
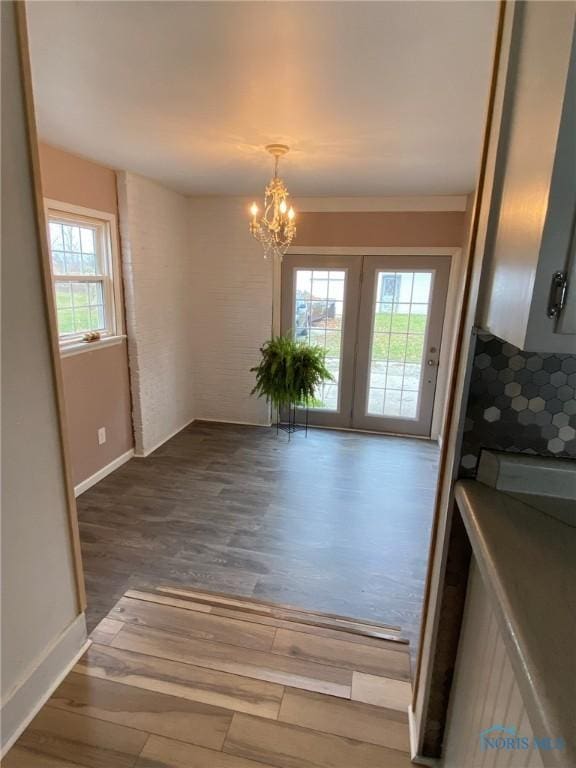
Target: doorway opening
[[212, 499], [380, 321]]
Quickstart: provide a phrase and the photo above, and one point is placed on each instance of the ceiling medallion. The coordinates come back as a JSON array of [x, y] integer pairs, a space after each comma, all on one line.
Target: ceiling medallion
[[276, 228]]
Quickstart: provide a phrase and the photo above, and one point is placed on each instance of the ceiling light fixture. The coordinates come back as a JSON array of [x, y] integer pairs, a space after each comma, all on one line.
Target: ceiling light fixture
[[276, 228]]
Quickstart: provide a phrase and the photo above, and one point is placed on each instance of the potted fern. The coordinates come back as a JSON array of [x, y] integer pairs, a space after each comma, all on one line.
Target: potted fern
[[289, 375]]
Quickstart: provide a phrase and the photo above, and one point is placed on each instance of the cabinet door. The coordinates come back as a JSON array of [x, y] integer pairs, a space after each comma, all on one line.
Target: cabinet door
[[532, 201], [558, 333]]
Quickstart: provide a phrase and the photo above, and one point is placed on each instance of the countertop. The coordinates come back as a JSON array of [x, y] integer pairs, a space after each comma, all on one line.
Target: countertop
[[527, 559]]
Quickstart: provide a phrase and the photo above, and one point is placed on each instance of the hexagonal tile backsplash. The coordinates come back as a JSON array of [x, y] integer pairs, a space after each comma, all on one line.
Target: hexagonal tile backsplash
[[519, 402]]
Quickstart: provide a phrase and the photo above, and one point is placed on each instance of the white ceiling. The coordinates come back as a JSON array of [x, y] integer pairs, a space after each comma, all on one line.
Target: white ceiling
[[375, 98]]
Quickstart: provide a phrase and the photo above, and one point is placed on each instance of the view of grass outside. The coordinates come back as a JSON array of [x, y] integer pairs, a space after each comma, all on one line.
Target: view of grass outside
[[79, 306], [397, 337]]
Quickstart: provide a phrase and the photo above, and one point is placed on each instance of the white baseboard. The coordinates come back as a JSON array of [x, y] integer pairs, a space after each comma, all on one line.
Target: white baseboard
[[147, 451], [26, 700], [414, 756], [239, 423], [101, 474]]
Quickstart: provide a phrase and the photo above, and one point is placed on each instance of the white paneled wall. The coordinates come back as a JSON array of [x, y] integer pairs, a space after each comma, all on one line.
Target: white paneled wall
[[485, 692], [160, 295], [232, 312]]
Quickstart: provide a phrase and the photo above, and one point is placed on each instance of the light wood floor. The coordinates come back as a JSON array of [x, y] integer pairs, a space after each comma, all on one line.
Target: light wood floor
[[182, 679], [337, 521]]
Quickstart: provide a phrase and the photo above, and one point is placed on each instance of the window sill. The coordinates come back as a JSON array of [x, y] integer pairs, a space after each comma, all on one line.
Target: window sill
[[78, 347]]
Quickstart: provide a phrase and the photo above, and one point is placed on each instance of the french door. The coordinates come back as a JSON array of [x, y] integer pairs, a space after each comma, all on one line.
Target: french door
[[379, 319]]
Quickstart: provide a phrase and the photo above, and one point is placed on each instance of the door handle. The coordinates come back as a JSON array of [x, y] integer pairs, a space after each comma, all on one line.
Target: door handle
[[557, 297]]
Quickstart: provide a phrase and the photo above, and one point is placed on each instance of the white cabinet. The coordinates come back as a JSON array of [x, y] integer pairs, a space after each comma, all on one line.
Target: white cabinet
[[530, 226]]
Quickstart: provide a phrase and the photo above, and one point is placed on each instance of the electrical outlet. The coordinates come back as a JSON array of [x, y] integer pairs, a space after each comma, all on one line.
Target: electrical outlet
[[101, 435]]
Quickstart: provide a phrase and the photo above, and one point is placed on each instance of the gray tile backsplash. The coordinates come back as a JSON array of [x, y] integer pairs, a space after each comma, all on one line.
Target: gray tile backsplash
[[519, 402]]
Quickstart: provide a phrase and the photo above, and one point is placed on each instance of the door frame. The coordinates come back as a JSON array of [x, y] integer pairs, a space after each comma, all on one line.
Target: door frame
[[45, 269], [451, 315], [421, 426]]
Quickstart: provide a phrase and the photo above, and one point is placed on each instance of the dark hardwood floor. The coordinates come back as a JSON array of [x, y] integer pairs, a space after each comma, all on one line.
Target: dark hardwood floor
[[336, 521]]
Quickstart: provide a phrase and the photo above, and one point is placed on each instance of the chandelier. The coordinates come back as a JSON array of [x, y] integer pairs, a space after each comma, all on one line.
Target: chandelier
[[276, 228]]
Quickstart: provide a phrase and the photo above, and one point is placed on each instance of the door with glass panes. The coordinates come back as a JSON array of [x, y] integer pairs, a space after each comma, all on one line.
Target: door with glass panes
[[379, 319]]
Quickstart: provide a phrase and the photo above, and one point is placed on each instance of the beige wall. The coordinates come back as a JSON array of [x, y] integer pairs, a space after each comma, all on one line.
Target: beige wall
[[42, 628], [412, 229], [96, 383], [96, 389], [74, 179]]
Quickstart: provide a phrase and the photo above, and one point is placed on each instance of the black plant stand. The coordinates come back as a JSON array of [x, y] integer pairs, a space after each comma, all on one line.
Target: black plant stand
[[290, 426]]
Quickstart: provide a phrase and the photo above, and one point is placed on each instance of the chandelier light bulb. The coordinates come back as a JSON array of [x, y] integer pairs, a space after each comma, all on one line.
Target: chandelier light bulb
[[291, 213], [283, 206], [254, 210]]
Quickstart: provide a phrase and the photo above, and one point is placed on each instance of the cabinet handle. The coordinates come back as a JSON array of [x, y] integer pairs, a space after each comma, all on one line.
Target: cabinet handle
[[557, 297]]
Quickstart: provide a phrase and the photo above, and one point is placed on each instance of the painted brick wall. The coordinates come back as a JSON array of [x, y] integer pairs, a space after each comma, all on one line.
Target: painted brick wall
[[159, 303], [232, 312]]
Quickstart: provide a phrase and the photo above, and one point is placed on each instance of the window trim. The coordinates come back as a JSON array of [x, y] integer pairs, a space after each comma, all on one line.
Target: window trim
[[112, 284]]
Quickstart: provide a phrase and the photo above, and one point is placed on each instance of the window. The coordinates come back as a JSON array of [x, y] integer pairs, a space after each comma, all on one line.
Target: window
[[84, 271]]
